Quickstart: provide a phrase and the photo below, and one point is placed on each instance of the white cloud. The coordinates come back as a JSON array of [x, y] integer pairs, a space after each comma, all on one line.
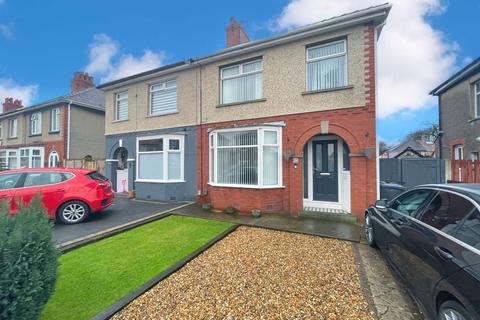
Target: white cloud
[[106, 62], [413, 57], [10, 89]]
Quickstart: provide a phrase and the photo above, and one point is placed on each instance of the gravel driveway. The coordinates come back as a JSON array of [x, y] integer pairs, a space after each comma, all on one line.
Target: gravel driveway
[[260, 274]]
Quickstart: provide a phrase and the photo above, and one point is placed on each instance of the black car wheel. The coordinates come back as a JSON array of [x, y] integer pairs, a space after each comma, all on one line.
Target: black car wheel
[[73, 212], [369, 232], [452, 310]]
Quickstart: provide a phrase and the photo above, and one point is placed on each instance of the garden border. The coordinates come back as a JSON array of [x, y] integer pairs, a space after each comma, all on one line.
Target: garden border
[[127, 299], [80, 242]]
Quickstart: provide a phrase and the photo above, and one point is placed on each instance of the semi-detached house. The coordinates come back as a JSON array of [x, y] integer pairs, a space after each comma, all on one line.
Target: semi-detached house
[[280, 124]]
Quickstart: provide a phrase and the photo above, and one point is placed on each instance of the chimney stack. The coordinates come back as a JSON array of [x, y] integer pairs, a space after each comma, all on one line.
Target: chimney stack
[[235, 33], [11, 104], [81, 81]]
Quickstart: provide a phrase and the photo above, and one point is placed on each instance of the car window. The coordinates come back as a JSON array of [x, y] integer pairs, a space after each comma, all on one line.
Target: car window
[[446, 211], [96, 176], [34, 179], [9, 181], [469, 231], [408, 203]]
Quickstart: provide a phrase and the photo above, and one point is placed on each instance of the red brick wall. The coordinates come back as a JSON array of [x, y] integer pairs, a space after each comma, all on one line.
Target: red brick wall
[[356, 126]]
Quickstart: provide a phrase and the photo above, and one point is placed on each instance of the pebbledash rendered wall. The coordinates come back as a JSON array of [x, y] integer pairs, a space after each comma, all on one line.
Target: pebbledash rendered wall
[[179, 191], [355, 124]]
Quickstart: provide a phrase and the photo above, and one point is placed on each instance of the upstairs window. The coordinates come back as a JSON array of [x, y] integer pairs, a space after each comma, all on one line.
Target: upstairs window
[[242, 82], [1, 130], [55, 120], [163, 97], [36, 123], [477, 99], [12, 128], [121, 106], [327, 66]]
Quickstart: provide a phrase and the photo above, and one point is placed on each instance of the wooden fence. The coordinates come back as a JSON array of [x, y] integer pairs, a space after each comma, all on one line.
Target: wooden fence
[[467, 171], [98, 165]]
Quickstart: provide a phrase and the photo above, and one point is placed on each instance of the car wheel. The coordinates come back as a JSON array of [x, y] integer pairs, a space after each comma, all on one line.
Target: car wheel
[[369, 232], [452, 310], [73, 212]]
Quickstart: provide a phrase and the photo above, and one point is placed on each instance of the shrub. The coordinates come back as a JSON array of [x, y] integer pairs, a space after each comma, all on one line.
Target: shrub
[[28, 261], [230, 210]]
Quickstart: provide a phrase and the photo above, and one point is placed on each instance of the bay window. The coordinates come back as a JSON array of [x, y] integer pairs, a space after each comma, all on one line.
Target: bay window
[[327, 66], [35, 123], [163, 97], [12, 161], [248, 157], [3, 160], [242, 82], [160, 158], [31, 157]]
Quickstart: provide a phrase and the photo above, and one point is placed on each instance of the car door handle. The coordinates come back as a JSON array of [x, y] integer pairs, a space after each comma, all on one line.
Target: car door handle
[[60, 190], [400, 221], [443, 253]]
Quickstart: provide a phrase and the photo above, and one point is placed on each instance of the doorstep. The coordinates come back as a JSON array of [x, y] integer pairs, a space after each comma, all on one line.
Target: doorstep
[[329, 215]]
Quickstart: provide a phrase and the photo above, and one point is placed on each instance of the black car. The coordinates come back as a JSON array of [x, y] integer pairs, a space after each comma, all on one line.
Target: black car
[[431, 236]]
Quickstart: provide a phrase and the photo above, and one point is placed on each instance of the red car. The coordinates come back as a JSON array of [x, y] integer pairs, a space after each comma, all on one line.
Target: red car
[[69, 195]]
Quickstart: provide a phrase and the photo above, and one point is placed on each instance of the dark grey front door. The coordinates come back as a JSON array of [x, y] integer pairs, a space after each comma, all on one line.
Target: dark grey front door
[[325, 170]]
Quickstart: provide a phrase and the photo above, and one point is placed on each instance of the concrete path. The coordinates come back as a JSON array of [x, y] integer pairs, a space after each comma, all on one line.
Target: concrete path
[[388, 294], [120, 213], [284, 222]]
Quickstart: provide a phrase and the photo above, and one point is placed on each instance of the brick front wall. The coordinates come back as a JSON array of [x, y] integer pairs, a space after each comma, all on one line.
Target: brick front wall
[[356, 126]]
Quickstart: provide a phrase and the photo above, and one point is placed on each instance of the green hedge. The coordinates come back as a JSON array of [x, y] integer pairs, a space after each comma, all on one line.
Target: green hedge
[[28, 261]]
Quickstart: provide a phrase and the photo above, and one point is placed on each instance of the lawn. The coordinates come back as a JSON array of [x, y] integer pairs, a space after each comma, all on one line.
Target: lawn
[[93, 277]]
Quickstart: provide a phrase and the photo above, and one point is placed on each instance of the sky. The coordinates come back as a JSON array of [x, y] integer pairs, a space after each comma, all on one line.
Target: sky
[[42, 43]]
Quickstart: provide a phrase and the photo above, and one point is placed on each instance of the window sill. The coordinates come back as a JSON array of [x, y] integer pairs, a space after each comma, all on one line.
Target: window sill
[[11, 138], [241, 102], [474, 119], [327, 90], [244, 186], [54, 132], [121, 120], [159, 181], [35, 135], [161, 114]]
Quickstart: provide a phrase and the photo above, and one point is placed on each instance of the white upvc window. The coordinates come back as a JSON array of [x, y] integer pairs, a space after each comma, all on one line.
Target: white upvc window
[[163, 97], [477, 99], [121, 105], [241, 82], [1, 130], [36, 123], [327, 66], [12, 159], [3, 160], [31, 157], [160, 158], [55, 120], [458, 152], [12, 128], [246, 157]]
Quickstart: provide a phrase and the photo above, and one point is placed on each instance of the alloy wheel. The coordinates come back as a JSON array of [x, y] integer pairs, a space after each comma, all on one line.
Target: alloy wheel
[[73, 212], [451, 314], [368, 229]]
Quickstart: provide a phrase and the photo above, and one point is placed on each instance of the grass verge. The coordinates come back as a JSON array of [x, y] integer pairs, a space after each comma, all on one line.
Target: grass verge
[[93, 277]]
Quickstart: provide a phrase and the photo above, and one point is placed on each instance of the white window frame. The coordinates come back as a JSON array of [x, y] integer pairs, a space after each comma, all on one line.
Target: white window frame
[[213, 146], [165, 152], [30, 156], [1, 130], [117, 100], [16, 154], [35, 124], [239, 75], [12, 133], [458, 152], [163, 85], [476, 91], [307, 60], [51, 156], [55, 120]]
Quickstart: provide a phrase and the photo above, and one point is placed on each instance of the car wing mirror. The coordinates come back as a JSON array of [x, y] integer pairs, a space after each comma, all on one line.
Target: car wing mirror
[[381, 205]]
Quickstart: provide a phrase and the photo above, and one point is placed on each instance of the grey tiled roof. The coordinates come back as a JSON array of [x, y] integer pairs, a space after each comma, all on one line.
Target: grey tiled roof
[[91, 96]]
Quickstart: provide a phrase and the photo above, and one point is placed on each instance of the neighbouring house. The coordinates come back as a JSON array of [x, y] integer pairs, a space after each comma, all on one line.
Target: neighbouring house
[[281, 124], [46, 134], [459, 114], [420, 148]]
